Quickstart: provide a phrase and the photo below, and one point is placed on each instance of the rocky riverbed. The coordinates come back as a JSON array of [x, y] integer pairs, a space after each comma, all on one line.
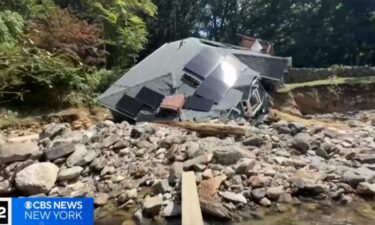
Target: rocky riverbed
[[133, 171]]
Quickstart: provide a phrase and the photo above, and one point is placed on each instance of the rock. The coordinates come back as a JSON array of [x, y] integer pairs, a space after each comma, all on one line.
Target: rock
[[283, 130], [214, 208], [309, 186], [53, 130], [208, 189], [5, 188], [59, 150], [207, 174], [353, 179], [160, 187], [367, 158], [285, 198], [244, 165], [101, 199], [18, 152], [175, 172], [302, 142], [233, 197], [258, 214], [192, 149], [138, 216], [258, 193], [296, 126], [365, 188], [132, 194], [199, 167], [229, 172], [77, 156], [265, 202], [98, 164], [81, 156], [253, 141], [231, 154], [259, 181], [172, 209], [275, 192], [346, 199], [321, 152], [203, 159], [37, 178], [70, 173], [109, 141], [152, 205]]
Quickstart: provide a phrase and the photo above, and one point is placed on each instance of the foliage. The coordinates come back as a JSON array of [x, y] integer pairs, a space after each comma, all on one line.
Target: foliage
[[37, 76], [62, 32], [29, 9], [11, 27], [315, 33], [125, 31]]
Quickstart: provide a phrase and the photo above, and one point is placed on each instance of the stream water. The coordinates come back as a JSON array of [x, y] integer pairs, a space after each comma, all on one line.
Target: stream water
[[358, 212]]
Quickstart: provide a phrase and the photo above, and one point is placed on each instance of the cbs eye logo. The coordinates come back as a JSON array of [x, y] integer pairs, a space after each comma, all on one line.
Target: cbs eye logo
[[4, 215]]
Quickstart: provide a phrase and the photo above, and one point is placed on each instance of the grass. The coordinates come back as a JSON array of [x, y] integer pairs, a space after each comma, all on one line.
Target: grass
[[328, 82], [8, 121]]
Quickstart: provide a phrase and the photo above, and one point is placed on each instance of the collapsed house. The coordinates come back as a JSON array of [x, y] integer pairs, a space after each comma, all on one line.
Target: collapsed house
[[194, 79]]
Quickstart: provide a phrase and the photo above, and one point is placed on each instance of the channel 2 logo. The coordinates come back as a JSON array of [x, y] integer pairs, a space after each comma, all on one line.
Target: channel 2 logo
[[4, 212]]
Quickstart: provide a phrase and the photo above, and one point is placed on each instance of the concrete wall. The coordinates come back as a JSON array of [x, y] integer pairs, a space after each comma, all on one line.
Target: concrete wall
[[299, 75]]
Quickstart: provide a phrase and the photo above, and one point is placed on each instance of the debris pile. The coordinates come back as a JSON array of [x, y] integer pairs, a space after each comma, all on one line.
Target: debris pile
[[195, 79], [139, 166]]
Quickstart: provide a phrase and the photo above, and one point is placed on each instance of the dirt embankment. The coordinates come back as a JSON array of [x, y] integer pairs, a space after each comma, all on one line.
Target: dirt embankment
[[319, 99]]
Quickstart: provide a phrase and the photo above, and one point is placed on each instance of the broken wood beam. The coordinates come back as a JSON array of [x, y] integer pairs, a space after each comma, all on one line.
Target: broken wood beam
[[210, 129], [191, 210]]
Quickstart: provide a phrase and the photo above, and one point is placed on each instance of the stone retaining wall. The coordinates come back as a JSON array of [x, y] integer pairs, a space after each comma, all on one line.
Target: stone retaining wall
[[299, 75]]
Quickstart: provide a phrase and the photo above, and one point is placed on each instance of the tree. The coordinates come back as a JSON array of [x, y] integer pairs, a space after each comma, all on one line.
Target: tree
[[11, 27], [314, 32], [63, 32], [125, 31]]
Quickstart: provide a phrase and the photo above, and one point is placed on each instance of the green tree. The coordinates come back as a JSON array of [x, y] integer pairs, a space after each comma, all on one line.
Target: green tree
[[125, 31], [11, 27], [314, 32]]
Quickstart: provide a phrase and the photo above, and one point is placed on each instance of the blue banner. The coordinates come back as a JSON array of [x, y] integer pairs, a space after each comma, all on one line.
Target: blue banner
[[51, 211]]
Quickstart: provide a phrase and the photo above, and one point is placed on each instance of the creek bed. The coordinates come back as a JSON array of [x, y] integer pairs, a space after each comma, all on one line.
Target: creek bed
[[358, 212]]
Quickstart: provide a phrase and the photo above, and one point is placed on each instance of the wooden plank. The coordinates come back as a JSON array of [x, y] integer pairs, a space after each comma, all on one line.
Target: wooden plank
[[191, 210]]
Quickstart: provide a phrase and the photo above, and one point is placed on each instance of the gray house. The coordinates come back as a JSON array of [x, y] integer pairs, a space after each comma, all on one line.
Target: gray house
[[194, 79]]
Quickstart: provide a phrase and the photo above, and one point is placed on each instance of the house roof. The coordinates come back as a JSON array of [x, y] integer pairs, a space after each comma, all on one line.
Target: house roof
[[163, 71]]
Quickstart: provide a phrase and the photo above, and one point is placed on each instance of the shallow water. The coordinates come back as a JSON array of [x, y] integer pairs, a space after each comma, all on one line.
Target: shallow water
[[356, 213]]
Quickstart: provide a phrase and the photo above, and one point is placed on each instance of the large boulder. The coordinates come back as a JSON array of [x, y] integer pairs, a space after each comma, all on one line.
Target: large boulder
[[37, 178], [18, 152]]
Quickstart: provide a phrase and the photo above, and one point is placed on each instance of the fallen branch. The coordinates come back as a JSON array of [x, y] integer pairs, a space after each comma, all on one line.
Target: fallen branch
[[210, 129]]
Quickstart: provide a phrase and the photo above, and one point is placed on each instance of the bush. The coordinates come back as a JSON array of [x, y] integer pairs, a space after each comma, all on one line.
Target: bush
[[62, 32], [39, 77]]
